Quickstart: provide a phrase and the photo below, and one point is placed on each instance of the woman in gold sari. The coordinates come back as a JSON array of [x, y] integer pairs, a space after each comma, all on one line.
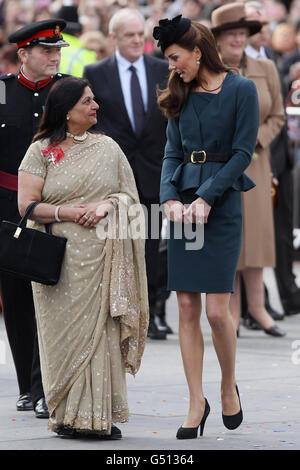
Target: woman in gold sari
[[92, 325]]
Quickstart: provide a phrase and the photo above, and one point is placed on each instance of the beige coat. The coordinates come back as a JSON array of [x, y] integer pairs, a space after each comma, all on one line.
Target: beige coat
[[258, 245]]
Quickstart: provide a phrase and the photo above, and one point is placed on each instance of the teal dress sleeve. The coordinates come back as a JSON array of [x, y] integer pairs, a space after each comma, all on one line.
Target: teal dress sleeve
[[243, 144], [172, 159]]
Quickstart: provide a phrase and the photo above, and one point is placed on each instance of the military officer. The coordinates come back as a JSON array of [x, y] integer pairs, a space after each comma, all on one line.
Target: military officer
[[23, 96]]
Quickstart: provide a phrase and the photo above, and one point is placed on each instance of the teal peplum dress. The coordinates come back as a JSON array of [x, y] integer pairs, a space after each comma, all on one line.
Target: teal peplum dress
[[224, 123]]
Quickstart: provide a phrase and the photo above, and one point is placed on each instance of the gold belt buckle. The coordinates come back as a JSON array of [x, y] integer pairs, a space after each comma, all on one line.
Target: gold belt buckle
[[195, 152]]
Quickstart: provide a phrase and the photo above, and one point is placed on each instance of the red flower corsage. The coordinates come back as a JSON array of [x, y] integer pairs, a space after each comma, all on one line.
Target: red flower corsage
[[54, 153]]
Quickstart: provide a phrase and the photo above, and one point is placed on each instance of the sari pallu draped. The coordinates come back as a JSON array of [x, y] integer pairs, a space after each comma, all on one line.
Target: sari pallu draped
[[92, 325]]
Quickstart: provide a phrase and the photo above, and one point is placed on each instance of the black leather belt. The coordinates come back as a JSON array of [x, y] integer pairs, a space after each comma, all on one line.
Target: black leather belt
[[200, 156]]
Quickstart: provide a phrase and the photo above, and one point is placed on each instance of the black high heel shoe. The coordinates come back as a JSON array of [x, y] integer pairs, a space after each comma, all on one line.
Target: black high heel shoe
[[191, 433], [66, 432], [233, 421]]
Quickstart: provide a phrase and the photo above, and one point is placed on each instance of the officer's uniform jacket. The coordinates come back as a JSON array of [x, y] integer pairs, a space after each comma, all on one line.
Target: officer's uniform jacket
[[19, 120]]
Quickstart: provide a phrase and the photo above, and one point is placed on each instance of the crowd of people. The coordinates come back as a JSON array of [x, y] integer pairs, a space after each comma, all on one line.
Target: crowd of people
[[90, 20], [69, 66]]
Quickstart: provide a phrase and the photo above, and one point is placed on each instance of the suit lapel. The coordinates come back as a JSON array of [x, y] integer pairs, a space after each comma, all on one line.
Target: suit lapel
[[151, 86], [254, 68]]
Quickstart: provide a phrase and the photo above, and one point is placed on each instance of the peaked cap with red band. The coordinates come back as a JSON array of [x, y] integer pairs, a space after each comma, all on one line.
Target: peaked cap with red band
[[42, 33]]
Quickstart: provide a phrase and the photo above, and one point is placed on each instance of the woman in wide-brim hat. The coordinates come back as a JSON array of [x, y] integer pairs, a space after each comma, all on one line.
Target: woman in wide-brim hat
[[232, 16], [231, 28], [212, 127]]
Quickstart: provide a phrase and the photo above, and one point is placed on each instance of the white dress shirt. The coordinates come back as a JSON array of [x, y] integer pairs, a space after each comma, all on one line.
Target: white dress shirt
[[254, 53], [125, 78]]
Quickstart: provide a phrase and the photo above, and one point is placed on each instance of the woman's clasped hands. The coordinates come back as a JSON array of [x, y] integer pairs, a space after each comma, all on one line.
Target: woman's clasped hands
[[197, 212], [91, 214]]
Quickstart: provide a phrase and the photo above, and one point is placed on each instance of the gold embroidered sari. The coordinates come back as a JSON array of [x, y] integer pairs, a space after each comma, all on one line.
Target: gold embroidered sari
[[92, 325]]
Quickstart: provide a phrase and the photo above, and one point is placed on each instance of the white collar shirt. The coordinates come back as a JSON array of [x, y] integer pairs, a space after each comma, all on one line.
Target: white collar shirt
[[254, 53], [125, 78]]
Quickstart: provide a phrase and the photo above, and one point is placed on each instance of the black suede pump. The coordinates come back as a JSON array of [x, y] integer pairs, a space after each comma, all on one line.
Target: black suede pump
[[192, 433], [233, 421]]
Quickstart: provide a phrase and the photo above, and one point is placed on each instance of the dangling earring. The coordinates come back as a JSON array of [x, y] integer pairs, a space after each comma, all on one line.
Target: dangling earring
[[198, 61], [68, 117]]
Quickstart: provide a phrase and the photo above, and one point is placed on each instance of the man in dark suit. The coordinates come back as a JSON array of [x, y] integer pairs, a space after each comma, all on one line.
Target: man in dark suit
[[125, 89], [25, 95]]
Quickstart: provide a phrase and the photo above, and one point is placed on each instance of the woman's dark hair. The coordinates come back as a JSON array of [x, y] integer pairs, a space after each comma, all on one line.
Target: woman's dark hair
[[61, 98], [172, 99]]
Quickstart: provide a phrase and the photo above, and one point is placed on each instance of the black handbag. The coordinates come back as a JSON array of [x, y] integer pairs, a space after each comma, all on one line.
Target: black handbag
[[31, 254]]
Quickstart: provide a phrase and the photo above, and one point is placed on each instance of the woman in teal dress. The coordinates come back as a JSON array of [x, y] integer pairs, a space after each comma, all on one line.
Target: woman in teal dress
[[213, 120]]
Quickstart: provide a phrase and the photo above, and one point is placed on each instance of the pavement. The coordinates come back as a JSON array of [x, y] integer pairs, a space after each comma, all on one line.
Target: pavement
[[268, 376]]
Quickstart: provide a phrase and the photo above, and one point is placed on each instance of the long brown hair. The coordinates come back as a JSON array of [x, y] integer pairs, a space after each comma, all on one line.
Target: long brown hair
[[172, 99], [61, 98]]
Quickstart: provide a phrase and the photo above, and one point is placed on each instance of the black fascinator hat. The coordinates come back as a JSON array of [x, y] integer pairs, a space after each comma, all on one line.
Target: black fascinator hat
[[169, 31]]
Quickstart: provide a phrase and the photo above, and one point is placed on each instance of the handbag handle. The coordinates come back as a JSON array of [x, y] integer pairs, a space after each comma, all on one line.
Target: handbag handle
[[22, 223]]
